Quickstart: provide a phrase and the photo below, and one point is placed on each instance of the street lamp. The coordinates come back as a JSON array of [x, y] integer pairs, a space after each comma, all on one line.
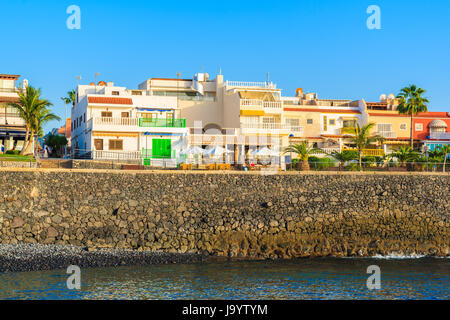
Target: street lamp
[[65, 124]]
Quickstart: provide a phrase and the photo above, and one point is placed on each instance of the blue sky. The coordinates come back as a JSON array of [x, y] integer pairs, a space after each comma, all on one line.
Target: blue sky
[[322, 46]]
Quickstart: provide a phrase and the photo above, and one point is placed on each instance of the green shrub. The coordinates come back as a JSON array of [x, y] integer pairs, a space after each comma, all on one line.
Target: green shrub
[[353, 166], [317, 163], [13, 152]]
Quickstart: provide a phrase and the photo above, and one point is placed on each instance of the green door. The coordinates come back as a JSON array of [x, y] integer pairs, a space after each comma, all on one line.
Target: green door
[[161, 148]]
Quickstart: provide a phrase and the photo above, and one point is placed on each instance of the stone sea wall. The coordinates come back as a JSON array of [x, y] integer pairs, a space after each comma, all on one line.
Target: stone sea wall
[[229, 214]]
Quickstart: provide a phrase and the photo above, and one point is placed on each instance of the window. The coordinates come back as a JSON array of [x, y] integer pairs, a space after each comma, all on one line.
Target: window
[[106, 114], [384, 127], [84, 117], [325, 123], [403, 126], [136, 93], [98, 143], [293, 122], [349, 124], [125, 115], [148, 115], [269, 120], [250, 121], [332, 122], [115, 93], [115, 144], [419, 126], [309, 121]]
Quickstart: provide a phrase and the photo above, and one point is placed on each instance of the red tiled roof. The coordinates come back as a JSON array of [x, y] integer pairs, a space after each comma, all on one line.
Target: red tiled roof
[[419, 115], [109, 100], [323, 110], [9, 99], [434, 114], [9, 76], [332, 135]]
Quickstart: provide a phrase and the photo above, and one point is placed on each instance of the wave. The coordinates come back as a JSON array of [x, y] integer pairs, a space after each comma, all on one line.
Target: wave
[[395, 255]]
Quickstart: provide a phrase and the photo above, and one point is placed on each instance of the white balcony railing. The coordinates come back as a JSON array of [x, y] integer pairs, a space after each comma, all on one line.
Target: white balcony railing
[[327, 150], [387, 134], [440, 135], [245, 84], [272, 126], [116, 121], [268, 106]]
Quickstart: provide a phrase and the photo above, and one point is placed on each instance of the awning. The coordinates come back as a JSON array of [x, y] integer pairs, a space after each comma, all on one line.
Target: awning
[[153, 109], [252, 112], [163, 134], [266, 96], [12, 133]]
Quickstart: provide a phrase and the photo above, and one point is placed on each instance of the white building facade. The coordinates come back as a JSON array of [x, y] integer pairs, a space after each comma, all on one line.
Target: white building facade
[[114, 123]]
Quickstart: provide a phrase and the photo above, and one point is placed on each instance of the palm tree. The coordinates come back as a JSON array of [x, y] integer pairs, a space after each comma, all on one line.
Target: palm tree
[[404, 155], [303, 151], [70, 98], [343, 156], [30, 106], [445, 151], [411, 103], [362, 139], [42, 117]]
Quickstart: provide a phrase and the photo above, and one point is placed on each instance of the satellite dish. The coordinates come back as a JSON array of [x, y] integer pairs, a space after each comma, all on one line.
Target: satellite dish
[[383, 98]]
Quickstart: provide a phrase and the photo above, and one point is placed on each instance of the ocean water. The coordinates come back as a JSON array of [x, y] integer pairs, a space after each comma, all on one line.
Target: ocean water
[[320, 278]]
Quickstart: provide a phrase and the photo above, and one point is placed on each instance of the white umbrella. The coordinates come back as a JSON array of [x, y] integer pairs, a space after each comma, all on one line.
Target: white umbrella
[[193, 150], [217, 151]]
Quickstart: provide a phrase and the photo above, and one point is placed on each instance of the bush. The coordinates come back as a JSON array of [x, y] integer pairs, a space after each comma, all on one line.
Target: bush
[[368, 161], [353, 166], [317, 163], [13, 152]]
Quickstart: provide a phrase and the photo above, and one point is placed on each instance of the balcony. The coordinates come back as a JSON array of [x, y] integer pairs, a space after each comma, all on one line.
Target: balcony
[[12, 119], [387, 134], [348, 130], [266, 106], [115, 121], [134, 124], [440, 135], [369, 152], [11, 90], [280, 128], [162, 123], [245, 84]]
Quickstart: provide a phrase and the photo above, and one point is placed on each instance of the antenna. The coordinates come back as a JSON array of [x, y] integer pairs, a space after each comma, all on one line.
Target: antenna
[[95, 76], [78, 80], [268, 76]]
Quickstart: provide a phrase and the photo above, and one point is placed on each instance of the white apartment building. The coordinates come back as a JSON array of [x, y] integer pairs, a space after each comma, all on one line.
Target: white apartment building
[[12, 126], [165, 116], [244, 116], [112, 122]]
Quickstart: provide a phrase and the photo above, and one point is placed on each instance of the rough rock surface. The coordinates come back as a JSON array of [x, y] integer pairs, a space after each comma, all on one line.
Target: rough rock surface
[[232, 215]]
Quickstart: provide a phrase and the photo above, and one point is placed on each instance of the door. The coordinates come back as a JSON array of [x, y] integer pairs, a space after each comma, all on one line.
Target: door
[[161, 148], [98, 143]]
